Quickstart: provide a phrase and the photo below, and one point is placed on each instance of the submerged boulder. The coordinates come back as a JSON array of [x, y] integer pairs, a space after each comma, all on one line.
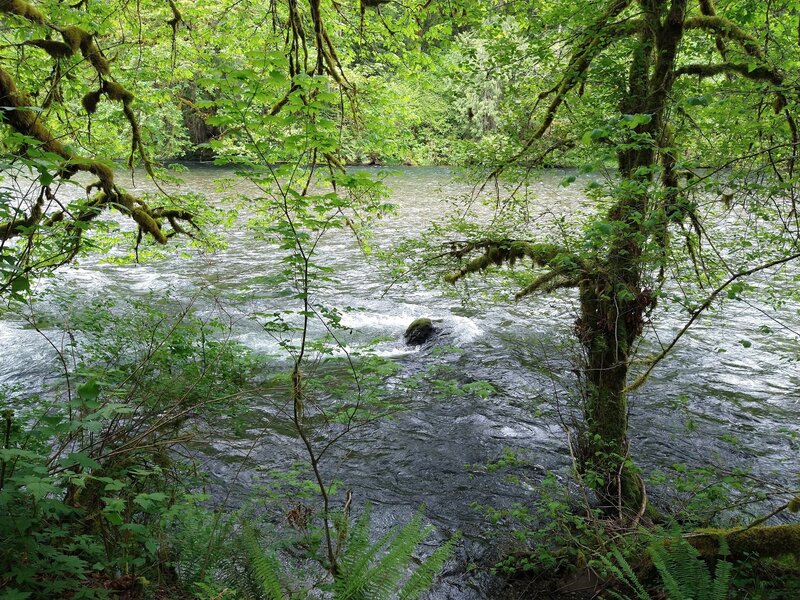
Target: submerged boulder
[[421, 331]]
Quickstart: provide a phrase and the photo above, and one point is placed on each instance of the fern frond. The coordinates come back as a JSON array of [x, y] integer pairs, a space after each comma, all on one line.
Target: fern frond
[[631, 578], [389, 570], [422, 579], [354, 578], [358, 542], [265, 567], [686, 575], [374, 571], [723, 573], [621, 569], [660, 556]]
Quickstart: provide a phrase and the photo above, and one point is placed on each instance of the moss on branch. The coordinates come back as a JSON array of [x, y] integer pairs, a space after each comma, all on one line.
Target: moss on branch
[[23, 9], [54, 48], [75, 39], [18, 115], [726, 29], [757, 73], [549, 281], [564, 268], [765, 541]]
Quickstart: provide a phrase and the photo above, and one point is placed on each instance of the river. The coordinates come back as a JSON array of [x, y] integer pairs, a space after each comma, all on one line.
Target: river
[[714, 399]]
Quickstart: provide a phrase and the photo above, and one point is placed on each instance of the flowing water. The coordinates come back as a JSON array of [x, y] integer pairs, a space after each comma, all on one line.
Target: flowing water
[[712, 399]]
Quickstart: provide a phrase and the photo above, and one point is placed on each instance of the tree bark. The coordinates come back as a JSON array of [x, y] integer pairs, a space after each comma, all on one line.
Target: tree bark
[[613, 301]]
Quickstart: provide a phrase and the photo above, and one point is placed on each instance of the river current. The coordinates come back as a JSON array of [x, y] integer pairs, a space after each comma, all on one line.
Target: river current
[[727, 394]]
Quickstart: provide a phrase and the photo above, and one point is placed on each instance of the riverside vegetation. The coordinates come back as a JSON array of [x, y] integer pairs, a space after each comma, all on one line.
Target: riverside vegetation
[[678, 116]]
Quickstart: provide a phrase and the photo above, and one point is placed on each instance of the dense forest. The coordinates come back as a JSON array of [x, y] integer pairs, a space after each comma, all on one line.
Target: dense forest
[[373, 299]]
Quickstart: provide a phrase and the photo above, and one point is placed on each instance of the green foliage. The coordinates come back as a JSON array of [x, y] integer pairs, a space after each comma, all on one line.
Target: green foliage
[[683, 572], [374, 571], [555, 535], [705, 496], [265, 568], [685, 575], [618, 567], [92, 498], [365, 570]]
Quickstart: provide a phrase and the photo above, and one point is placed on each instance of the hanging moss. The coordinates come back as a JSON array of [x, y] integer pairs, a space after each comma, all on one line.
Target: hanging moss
[[516, 251], [23, 9], [24, 120], [116, 92], [508, 251], [52, 47], [73, 37], [176, 16], [90, 101], [80, 39], [104, 173], [99, 62], [149, 225]]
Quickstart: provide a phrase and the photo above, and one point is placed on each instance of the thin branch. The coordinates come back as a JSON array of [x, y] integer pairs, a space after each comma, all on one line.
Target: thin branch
[[702, 308]]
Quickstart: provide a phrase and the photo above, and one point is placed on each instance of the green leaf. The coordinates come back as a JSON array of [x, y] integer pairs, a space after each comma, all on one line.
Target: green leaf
[[113, 518], [633, 121], [20, 284], [80, 458], [38, 487], [89, 391]]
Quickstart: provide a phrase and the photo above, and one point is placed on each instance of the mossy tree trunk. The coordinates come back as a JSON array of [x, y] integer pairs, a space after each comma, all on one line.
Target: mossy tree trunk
[[613, 300]]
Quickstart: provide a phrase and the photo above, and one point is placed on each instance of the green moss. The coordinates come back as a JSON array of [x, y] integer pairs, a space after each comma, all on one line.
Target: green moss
[[117, 92], [104, 173], [23, 9], [52, 47], [24, 120], [90, 101], [148, 224], [74, 36], [419, 332], [767, 542]]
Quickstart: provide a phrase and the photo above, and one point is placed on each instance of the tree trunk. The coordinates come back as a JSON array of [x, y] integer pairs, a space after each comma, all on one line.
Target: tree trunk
[[609, 323], [199, 131], [613, 301]]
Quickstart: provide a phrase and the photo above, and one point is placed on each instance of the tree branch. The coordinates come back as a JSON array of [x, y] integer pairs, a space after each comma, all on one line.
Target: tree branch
[[499, 252], [727, 29], [756, 73], [597, 38]]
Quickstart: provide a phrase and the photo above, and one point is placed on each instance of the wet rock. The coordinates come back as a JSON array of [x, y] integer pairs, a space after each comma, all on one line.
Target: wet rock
[[421, 331]]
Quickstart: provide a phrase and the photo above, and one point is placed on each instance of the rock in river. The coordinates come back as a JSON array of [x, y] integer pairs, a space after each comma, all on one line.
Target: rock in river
[[421, 331]]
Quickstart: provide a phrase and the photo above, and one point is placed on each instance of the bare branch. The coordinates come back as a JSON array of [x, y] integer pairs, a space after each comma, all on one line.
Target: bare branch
[[702, 308]]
